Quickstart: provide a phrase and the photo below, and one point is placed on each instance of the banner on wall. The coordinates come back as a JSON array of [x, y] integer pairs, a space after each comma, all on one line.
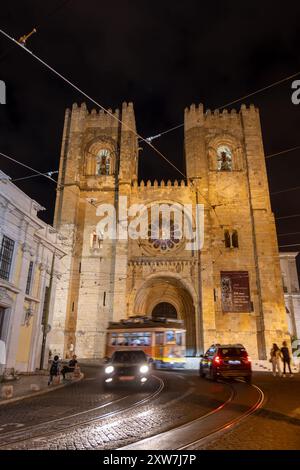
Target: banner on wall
[[235, 291]]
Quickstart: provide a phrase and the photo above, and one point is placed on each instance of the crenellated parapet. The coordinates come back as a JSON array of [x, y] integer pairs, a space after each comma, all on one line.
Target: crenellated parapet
[[195, 116], [160, 185], [83, 118]]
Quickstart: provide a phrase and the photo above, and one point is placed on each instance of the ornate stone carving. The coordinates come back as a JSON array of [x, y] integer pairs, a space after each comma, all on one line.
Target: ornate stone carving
[[42, 267]]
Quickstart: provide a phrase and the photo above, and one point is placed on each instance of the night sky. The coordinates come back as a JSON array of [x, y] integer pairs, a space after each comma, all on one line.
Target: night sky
[[163, 56]]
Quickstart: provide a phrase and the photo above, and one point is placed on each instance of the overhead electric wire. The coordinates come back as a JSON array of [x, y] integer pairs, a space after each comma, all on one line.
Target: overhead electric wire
[[285, 190], [287, 216], [283, 151], [40, 24], [287, 234], [146, 140], [286, 246], [278, 82], [47, 174], [38, 173], [90, 99]]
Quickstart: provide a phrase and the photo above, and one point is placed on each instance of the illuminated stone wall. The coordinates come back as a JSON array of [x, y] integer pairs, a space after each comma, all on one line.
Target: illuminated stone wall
[[113, 280]]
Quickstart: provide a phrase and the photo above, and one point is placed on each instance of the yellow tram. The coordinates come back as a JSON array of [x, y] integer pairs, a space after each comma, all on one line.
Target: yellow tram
[[162, 339]]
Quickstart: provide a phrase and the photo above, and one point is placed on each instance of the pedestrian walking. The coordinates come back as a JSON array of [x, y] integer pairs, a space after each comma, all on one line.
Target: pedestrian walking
[[54, 369], [286, 358], [275, 359]]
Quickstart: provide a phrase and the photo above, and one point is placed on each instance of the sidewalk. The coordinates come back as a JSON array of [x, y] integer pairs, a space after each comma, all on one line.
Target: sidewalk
[[32, 385]]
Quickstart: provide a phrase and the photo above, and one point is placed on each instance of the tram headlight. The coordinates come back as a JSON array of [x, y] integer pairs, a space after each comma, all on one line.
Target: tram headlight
[[109, 369], [144, 369]]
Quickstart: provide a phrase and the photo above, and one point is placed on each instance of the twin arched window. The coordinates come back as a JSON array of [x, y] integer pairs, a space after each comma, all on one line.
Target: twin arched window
[[231, 239], [103, 162]]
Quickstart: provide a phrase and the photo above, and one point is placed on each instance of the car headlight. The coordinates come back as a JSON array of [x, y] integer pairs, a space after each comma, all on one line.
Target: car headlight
[[144, 369], [109, 369]]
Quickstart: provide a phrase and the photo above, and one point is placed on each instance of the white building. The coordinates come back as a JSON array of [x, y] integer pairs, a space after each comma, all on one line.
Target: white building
[[291, 291], [28, 256]]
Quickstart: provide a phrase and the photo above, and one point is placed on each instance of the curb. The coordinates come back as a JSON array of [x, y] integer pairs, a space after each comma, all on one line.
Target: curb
[[41, 392]]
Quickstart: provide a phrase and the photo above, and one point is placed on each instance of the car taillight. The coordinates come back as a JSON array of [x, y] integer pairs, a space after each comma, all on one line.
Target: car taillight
[[217, 360], [247, 359]]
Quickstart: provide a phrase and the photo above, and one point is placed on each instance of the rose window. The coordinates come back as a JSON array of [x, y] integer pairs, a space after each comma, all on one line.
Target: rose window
[[162, 239]]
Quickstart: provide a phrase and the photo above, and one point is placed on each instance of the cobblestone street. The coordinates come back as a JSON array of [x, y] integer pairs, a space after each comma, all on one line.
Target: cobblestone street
[[179, 401], [275, 426], [83, 416]]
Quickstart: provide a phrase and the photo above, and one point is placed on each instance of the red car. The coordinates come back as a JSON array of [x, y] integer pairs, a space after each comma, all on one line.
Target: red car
[[226, 360]]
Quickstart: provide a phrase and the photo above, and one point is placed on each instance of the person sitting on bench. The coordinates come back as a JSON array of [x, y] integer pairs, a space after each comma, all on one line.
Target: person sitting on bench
[[70, 367]]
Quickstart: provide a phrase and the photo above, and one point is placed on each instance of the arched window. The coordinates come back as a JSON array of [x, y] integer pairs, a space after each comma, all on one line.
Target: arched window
[[235, 239], [227, 239], [224, 158], [103, 162], [231, 239]]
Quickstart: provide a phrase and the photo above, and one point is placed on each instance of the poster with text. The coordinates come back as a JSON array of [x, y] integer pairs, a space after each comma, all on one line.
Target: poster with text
[[235, 291]]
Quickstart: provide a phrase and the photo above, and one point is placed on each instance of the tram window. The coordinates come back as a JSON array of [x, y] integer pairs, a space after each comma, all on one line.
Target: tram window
[[179, 339], [121, 340], [126, 339], [139, 339], [159, 338], [131, 339], [113, 339], [147, 339], [170, 336]]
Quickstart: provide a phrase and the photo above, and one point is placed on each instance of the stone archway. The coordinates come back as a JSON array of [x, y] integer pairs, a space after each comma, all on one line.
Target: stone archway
[[168, 290]]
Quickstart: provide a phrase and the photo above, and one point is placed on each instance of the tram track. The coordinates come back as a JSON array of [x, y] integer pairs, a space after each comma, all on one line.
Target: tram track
[[200, 430], [225, 427], [40, 430], [241, 401]]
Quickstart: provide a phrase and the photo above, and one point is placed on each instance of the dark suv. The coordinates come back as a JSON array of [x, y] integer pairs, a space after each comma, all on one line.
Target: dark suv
[[226, 360], [127, 367]]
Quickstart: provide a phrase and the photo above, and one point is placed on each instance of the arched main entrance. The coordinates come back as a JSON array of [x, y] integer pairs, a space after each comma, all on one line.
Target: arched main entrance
[[165, 295], [164, 309]]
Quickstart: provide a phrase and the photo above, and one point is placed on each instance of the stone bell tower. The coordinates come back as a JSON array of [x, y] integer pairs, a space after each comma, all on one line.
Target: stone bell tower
[[98, 163], [241, 288]]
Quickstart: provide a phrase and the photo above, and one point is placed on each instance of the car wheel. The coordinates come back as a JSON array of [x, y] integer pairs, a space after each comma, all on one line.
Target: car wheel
[[213, 375], [248, 379]]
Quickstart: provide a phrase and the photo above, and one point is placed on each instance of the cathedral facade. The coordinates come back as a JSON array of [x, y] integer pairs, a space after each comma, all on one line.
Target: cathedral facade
[[229, 291]]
